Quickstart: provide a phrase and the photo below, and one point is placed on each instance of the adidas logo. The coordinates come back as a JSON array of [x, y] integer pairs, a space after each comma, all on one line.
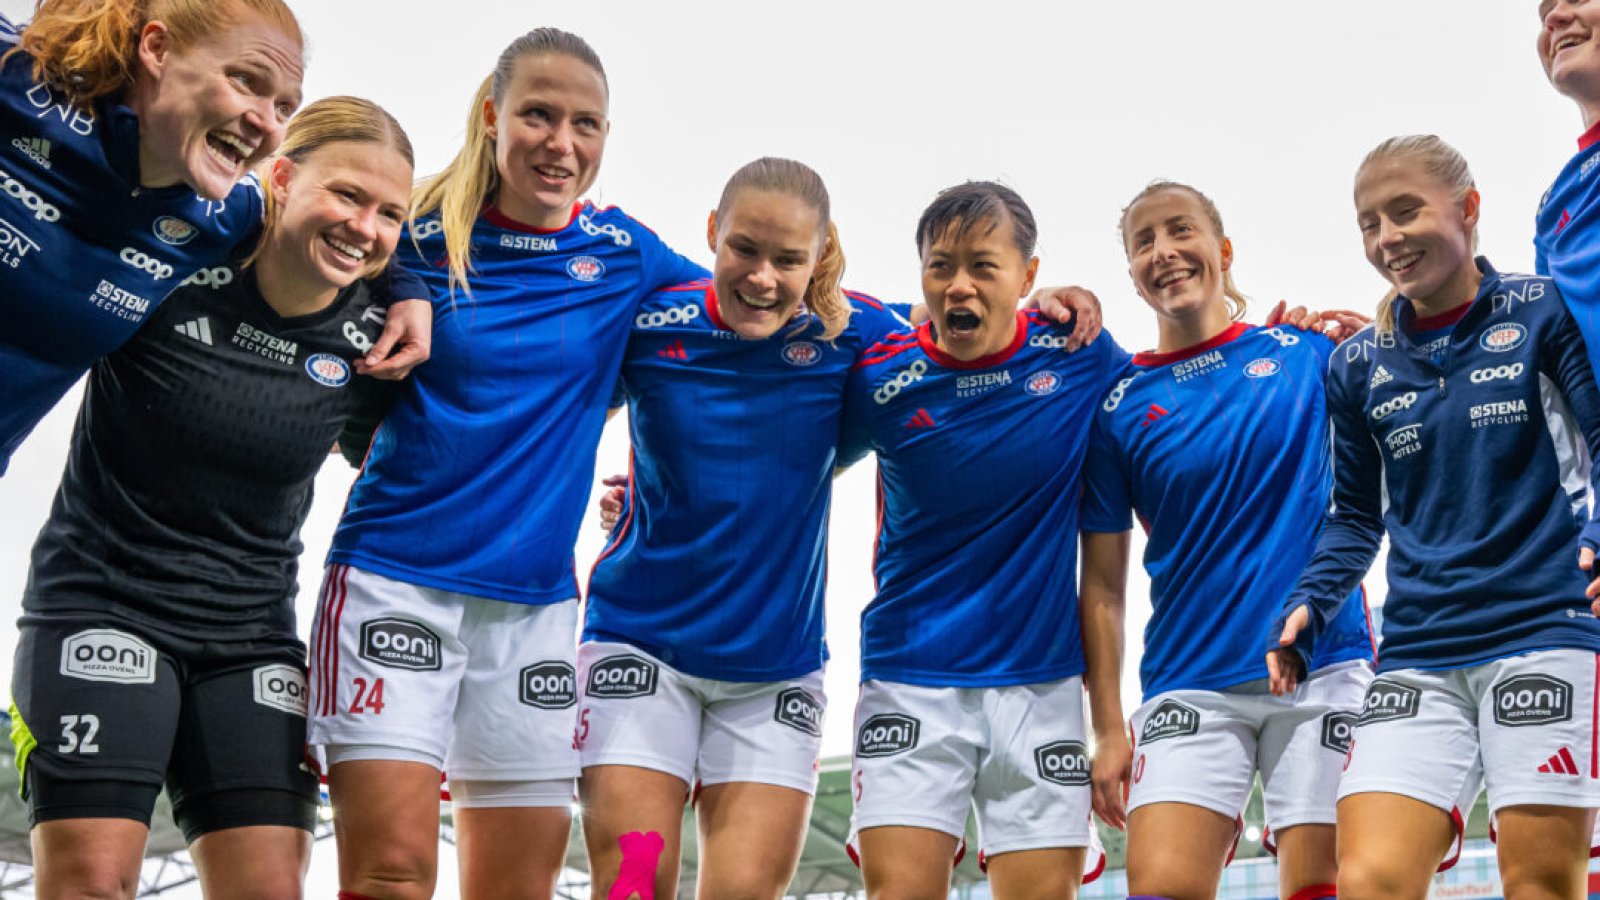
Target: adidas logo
[[1560, 764], [1153, 415], [920, 419], [1381, 376], [198, 330], [1566, 219], [36, 149], [673, 350]]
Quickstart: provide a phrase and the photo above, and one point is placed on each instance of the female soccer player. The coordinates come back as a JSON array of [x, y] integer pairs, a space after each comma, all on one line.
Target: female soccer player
[[698, 671], [444, 638], [1567, 238], [1461, 421], [158, 638], [971, 659], [130, 125], [1217, 396]]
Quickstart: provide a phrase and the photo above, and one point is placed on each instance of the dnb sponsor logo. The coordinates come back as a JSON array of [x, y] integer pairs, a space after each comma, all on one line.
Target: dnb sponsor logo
[[902, 379], [621, 677], [1503, 338], [281, 687], [1266, 367], [1532, 700], [43, 99], [104, 654], [1387, 701], [1063, 762], [14, 245], [1042, 384], [1338, 730], [173, 231], [400, 644], [327, 370], [887, 734], [800, 711], [1169, 719], [801, 353], [585, 268], [549, 685]]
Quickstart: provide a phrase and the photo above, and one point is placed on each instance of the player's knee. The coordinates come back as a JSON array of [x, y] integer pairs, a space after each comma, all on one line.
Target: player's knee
[[395, 873], [1376, 877], [1542, 883], [907, 889], [746, 885], [85, 880]]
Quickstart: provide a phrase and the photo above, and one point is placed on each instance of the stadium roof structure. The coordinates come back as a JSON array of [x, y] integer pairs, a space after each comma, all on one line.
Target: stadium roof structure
[[825, 867]]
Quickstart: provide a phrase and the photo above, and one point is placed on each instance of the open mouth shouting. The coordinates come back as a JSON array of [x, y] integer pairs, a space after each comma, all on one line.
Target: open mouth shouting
[[962, 323]]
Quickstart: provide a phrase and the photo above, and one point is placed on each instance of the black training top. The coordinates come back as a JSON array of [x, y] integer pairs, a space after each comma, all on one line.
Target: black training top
[[194, 455]]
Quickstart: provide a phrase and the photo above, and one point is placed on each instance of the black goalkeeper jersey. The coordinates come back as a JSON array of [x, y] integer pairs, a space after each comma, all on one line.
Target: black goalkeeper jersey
[[194, 455]]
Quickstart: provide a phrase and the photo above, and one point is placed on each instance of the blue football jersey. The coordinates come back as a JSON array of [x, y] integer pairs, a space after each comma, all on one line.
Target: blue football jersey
[[1479, 470], [476, 482], [1567, 238], [85, 253], [978, 467], [718, 563], [1222, 450]]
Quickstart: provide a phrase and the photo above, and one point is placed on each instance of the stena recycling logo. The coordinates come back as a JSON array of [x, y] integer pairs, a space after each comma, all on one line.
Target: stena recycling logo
[[585, 268], [1042, 384], [801, 353], [282, 687], [887, 734], [104, 654], [1503, 338], [1264, 367], [174, 231], [800, 711], [1063, 762], [328, 370]]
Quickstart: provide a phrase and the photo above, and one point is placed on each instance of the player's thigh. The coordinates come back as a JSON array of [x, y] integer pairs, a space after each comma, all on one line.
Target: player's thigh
[[1307, 858], [906, 862], [750, 839], [1177, 849], [622, 800], [1390, 845], [256, 862], [386, 821], [1050, 874], [95, 857], [1544, 850], [238, 760], [514, 852]]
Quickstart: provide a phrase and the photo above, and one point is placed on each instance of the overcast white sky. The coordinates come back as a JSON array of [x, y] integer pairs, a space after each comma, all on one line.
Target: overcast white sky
[[1267, 106]]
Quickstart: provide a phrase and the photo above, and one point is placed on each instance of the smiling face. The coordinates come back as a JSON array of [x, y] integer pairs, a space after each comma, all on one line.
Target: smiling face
[[767, 244], [341, 207], [972, 280], [1416, 233], [549, 132], [1176, 258], [1569, 50], [210, 111]]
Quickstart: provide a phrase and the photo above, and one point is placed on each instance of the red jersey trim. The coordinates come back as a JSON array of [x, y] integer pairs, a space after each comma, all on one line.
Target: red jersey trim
[[1442, 320], [495, 217], [1589, 138], [713, 309], [1152, 358], [930, 346]]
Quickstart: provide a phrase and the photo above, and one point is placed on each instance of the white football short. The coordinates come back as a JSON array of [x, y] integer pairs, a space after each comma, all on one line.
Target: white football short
[[1015, 754], [1528, 721], [482, 689], [635, 710], [1204, 748]]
